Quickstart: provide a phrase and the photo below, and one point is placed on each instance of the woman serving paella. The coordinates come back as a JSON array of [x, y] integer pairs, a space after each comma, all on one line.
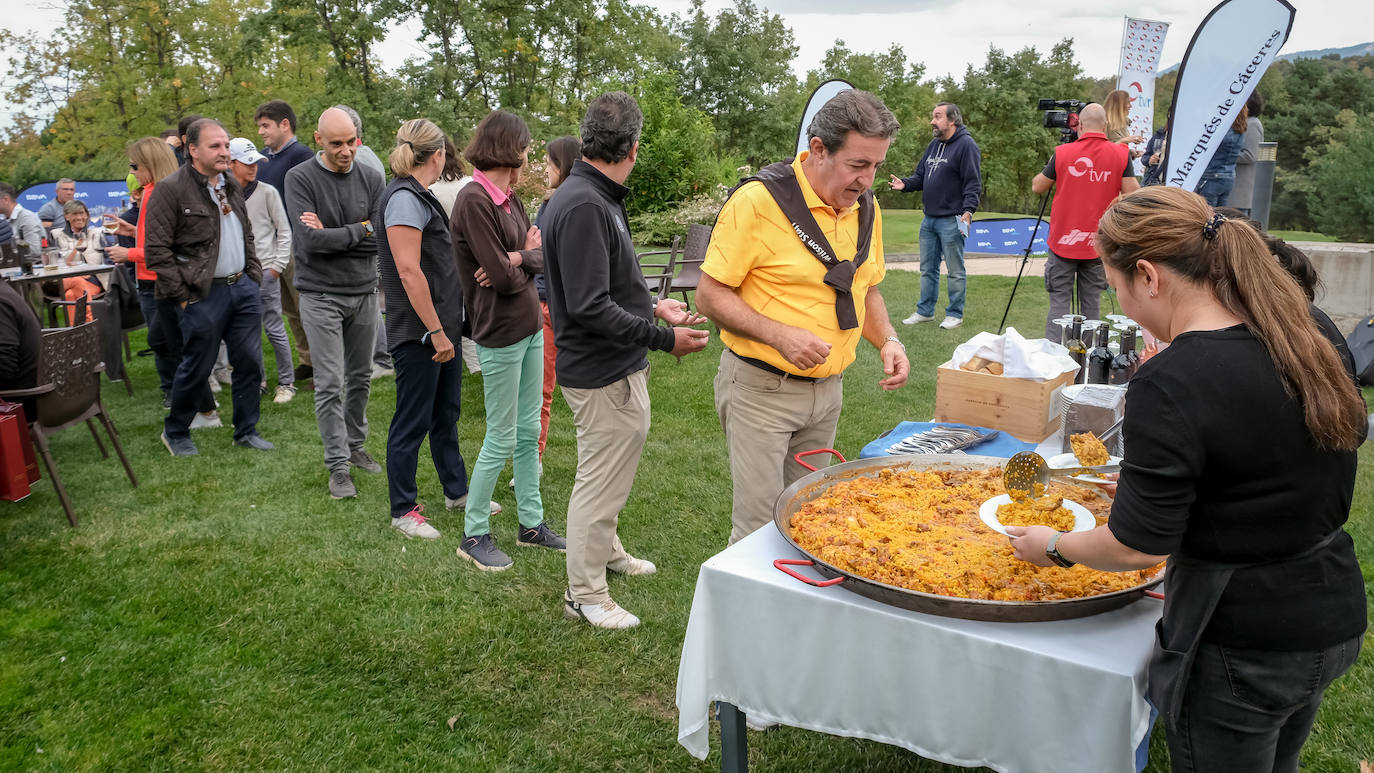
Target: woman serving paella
[[1240, 467]]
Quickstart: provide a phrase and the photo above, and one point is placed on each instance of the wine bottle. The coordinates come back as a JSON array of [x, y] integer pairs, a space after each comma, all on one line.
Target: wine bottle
[[1077, 349], [1125, 364], [1100, 357]]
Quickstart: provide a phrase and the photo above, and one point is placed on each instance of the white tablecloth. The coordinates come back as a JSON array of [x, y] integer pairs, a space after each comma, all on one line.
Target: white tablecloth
[[1054, 697]]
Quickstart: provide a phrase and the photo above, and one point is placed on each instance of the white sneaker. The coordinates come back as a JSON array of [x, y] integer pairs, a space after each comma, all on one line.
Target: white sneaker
[[284, 394], [412, 524], [381, 371], [206, 421], [461, 503], [915, 318], [949, 323], [214, 385], [632, 567], [607, 614]]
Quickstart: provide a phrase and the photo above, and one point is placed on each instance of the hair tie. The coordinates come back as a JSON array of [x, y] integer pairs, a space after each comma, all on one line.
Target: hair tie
[[407, 142], [1209, 231]]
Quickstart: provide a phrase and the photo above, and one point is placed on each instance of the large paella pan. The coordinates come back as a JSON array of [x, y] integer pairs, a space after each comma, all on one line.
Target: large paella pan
[[816, 485]]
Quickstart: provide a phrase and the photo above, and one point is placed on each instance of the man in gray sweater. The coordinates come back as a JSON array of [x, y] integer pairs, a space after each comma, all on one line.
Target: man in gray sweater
[[330, 203]]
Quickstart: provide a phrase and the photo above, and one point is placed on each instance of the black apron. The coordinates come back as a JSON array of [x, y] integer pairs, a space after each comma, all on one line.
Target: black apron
[[780, 180], [1192, 589]]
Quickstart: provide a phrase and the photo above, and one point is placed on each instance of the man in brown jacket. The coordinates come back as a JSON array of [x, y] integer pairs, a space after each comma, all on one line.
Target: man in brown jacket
[[199, 242]]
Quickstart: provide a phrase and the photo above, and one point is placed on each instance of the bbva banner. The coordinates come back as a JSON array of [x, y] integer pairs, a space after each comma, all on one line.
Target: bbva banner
[[99, 196], [1229, 52], [1007, 236]]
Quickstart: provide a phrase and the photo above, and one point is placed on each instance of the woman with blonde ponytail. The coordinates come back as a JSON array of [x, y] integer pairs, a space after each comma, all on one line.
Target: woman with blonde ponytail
[[1239, 468], [424, 314]]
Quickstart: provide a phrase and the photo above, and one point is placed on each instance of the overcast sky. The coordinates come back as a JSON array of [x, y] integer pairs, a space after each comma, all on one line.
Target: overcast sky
[[946, 36]]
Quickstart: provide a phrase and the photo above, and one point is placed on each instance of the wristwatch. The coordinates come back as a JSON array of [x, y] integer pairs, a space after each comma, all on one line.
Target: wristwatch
[[1052, 550], [895, 340], [367, 226]]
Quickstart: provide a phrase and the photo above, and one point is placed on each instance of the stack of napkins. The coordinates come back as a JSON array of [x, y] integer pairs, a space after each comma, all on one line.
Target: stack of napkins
[[1037, 359]]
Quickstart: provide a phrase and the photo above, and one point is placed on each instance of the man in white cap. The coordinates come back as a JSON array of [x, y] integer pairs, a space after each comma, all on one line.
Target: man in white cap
[[272, 237]]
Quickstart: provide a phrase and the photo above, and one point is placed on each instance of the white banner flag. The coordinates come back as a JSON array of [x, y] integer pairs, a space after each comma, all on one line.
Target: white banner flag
[[823, 93], [1141, 42], [1229, 53]]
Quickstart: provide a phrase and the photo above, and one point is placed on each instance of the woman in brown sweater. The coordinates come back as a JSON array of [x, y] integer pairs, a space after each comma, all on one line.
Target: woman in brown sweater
[[498, 254]]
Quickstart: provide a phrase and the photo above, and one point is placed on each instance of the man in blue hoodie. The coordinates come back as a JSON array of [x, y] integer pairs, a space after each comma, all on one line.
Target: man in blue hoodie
[[948, 177]]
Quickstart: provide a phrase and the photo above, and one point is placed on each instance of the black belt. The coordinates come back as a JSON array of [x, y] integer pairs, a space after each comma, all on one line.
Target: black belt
[[227, 280], [776, 371]]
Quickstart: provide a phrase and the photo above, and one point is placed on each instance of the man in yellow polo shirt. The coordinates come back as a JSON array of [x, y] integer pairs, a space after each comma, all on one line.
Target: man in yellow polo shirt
[[791, 277]]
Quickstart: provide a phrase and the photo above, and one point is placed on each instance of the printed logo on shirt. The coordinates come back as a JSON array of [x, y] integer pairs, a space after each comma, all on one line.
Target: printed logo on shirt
[[1075, 236], [621, 225], [934, 163], [1084, 166]]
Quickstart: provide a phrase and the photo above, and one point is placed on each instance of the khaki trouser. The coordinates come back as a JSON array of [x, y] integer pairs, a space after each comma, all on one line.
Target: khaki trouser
[[767, 419], [612, 423]]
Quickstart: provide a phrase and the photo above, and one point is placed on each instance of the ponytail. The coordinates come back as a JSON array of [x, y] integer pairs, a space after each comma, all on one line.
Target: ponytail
[[1176, 229], [416, 142]]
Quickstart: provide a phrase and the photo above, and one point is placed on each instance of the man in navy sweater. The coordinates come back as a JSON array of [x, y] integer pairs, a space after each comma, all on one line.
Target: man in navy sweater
[[277, 127], [948, 176]]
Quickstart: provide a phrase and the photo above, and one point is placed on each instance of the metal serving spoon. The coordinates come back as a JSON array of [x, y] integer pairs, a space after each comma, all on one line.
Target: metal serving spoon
[[1022, 472]]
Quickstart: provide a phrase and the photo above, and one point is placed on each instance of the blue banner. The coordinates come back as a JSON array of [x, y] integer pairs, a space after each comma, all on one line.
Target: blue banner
[[1006, 236], [99, 196]]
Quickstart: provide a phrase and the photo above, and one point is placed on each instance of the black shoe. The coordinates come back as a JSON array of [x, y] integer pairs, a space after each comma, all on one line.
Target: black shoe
[[144, 353], [541, 536], [255, 441], [304, 372]]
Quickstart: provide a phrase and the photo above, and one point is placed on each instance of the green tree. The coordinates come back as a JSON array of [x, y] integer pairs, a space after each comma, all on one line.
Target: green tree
[[999, 103], [736, 67], [898, 84], [676, 160], [1341, 167]]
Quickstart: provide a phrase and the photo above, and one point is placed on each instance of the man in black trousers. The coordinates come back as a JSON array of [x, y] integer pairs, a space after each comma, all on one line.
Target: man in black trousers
[[199, 242]]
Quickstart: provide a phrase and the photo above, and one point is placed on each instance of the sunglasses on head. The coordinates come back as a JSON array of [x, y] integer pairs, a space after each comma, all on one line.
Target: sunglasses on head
[[133, 167]]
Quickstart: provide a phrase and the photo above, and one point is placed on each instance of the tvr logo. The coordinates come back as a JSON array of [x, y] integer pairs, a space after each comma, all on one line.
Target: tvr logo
[[1084, 166]]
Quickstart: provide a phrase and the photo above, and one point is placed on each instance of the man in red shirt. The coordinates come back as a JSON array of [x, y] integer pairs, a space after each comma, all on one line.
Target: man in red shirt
[[1090, 174]]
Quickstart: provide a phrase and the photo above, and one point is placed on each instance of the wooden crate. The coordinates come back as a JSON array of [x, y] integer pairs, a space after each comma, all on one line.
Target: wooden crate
[[1029, 410]]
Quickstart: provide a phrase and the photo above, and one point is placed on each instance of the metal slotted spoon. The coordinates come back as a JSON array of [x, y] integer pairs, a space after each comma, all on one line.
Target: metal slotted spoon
[[1022, 472]]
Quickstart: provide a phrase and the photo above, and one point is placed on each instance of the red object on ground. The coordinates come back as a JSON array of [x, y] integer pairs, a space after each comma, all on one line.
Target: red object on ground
[[14, 481], [25, 442]]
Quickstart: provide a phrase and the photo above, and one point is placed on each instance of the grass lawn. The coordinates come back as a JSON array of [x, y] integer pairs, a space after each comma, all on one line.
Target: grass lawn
[[227, 615], [1303, 236]]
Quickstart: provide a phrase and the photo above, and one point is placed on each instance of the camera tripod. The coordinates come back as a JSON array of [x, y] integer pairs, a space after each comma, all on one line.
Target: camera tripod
[[1025, 258]]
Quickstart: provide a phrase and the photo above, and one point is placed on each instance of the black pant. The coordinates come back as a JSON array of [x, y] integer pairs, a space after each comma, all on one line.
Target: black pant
[[428, 401], [1251, 710], [230, 313]]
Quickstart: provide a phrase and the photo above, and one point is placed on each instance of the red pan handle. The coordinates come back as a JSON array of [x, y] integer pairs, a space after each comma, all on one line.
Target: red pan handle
[[799, 456], [782, 565], [1154, 594]]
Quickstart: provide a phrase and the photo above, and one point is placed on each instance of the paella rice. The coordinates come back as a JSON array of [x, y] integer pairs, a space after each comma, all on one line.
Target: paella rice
[[1044, 511], [919, 529], [1089, 451]]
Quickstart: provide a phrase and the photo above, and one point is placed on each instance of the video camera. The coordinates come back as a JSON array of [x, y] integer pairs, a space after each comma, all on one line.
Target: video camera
[[1062, 114]]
